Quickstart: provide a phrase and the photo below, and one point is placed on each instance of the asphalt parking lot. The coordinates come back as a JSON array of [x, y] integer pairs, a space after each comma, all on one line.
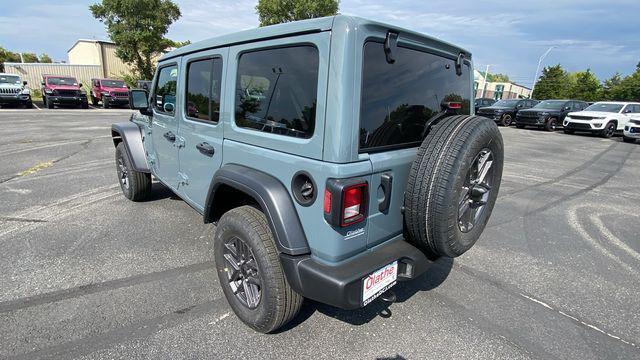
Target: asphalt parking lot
[[86, 274]]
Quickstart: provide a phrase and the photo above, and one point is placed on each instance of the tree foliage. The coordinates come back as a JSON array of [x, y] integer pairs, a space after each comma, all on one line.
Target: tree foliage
[[552, 84], [10, 56], [138, 28], [585, 86], [272, 12], [609, 86]]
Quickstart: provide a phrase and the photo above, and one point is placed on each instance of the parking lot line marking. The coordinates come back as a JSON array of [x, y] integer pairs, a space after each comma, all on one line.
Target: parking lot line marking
[[575, 319], [37, 107], [93, 107]]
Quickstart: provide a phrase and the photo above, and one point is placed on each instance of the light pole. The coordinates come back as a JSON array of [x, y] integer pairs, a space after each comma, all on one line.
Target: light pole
[[535, 77]]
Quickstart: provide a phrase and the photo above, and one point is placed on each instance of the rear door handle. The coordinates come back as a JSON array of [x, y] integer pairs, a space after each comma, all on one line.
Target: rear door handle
[[206, 149], [170, 136]]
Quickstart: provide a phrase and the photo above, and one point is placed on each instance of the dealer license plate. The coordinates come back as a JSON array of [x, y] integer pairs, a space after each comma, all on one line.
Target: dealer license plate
[[378, 282]]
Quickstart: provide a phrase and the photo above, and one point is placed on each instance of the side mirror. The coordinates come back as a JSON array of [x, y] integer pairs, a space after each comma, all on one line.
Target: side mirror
[[24, 83], [79, 84], [567, 108], [42, 83], [139, 100]]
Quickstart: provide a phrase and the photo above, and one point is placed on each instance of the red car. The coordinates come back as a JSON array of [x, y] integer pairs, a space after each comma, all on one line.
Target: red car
[[110, 92], [63, 90]]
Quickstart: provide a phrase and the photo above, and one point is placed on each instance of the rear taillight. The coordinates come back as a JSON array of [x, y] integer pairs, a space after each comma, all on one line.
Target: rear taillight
[[345, 201], [353, 199]]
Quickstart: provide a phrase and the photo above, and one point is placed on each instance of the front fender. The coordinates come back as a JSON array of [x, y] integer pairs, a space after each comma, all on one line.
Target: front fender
[[131, 135]]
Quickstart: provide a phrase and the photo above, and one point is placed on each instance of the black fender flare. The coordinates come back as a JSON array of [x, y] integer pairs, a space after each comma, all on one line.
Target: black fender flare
[[272, 197], [131, 135]]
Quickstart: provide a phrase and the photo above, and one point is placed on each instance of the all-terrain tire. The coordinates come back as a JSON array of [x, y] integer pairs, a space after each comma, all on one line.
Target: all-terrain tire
[[94, 100], [278, 302], [551, 124], [608, 130], [49, 103], [135, 185], [105, 103], [506, 120], [435, 193]]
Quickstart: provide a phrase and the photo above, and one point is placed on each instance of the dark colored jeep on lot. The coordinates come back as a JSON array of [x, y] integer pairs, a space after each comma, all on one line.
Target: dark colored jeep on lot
[[483, 102], [63, 90], [110, 92], [504, 111], [548, 114], [336, 156]]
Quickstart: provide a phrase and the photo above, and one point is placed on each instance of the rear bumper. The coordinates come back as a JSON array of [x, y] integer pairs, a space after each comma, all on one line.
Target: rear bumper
[[341, 285]]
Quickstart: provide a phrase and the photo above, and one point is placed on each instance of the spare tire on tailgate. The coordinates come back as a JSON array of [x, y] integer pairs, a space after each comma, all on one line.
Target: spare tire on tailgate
[[453, 184]]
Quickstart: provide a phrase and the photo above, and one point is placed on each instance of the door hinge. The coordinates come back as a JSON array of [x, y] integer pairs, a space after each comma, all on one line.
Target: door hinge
[[151, 159], [183, 179]]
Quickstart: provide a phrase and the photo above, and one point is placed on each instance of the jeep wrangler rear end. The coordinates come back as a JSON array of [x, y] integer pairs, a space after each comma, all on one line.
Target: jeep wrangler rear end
[[336, 156]]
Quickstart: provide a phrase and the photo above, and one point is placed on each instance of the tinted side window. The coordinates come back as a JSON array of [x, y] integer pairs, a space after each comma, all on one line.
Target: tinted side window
[[398, 99], [276, 90], [203, 89], [165, 91]]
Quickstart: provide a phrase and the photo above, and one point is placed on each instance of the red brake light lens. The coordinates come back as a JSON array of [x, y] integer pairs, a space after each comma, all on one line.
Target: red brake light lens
[[353, 204]]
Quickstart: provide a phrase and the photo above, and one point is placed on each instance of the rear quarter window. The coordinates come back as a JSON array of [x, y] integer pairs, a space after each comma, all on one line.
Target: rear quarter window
[[276, 90], [398, 99]]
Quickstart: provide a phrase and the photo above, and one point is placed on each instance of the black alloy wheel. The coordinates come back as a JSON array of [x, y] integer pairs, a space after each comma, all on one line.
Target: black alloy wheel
[[476, 190]]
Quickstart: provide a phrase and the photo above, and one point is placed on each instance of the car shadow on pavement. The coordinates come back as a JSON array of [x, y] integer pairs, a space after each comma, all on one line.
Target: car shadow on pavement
[[435, 275], [159, 192]]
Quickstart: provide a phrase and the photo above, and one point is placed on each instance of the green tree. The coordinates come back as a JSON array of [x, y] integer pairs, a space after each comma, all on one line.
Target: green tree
[[553, 83], [610, 85], [272, 12], [30, 57], [138, 28], [498, 78], [629, 87], [44, 58], [7, 56], [586, 86]]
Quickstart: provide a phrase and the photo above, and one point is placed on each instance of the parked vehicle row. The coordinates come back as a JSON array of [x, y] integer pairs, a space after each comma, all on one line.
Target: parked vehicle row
[[603, 118], [504, 111], [13, 91]]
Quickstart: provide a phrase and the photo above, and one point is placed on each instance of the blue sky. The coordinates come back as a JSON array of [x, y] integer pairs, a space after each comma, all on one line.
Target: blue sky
[[507, 35]]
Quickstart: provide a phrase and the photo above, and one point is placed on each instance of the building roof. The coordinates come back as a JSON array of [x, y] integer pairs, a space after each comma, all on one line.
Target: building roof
[[91, 41], [348, 23]]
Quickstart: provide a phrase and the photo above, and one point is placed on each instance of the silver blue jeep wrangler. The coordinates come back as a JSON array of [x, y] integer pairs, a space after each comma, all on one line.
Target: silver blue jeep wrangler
[[337, 156]]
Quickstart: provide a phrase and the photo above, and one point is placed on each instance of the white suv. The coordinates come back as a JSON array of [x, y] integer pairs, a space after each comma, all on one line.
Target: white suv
[[604, 118], [632, 130]]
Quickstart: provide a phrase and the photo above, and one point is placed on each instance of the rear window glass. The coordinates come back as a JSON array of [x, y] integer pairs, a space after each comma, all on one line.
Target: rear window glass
[[276, 90], [398, 99]]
